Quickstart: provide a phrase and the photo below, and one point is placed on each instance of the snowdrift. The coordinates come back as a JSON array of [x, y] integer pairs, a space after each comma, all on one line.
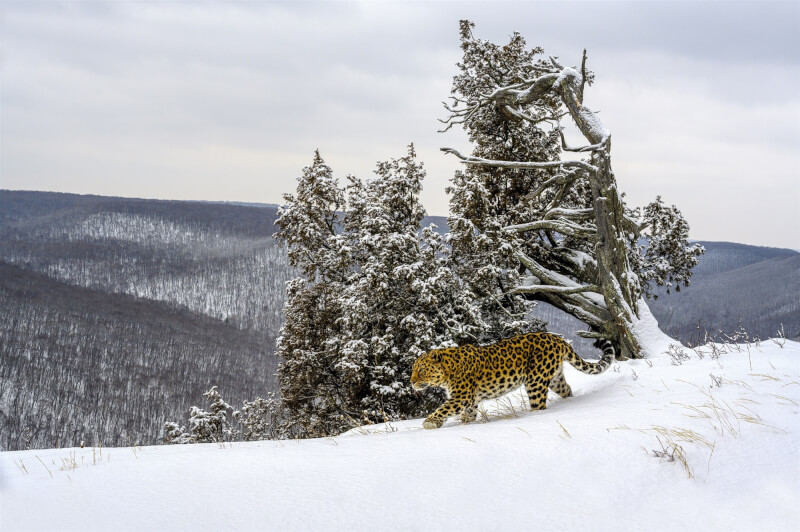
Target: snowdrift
[[703, 439]]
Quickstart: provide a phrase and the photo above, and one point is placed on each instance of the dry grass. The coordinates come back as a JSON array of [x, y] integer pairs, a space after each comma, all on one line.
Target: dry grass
[[21, 466], [673, 452], [44, 465], [786, 400], [764, 377], [69, 463], [506, 409], [564, 429], [525, 431], [672, 449]]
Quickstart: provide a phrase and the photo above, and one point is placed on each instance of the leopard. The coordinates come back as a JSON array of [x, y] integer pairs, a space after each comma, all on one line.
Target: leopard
[[470, 373]]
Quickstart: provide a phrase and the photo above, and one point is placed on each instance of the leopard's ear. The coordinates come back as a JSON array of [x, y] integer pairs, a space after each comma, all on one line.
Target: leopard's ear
[[436, 356]]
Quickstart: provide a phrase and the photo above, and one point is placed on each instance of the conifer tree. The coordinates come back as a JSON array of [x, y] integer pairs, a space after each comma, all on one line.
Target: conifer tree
[[261, 419], [308, 347], [205, 426], [400, 301], [484, 200], [574, 239], [380, 296]]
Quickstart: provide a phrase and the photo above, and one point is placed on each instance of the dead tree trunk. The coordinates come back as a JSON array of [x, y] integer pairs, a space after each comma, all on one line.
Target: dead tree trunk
[[608, 302]]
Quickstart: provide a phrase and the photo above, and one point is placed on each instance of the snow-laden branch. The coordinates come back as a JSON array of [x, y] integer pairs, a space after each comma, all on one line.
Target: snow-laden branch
[[524, 116], [519, 164], [583, 304], [568, 82], [517, 95], [532, 289], [559, 179], [565, 227], [577, 214], [594, 147]]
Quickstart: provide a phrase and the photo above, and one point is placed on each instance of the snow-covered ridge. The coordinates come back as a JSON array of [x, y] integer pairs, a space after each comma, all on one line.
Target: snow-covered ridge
[[690, 439], [155, 232], [210, 271]]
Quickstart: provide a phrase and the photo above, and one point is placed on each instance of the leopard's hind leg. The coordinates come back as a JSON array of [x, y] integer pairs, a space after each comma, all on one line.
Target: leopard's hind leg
[[537, 392], [559, 384]]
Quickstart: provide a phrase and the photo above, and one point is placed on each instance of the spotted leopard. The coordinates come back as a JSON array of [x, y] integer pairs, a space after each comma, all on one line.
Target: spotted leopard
[[470, 373]]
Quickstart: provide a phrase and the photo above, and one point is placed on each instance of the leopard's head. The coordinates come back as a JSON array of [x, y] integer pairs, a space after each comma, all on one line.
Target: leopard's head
[[428, 371]]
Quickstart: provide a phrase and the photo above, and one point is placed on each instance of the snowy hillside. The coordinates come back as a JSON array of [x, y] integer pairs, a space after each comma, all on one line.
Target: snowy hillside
[[701, 439]]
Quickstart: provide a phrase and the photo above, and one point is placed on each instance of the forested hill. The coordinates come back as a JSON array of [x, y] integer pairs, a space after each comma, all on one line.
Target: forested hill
[[120, 296], [734, 285], [19, 210], [84, 365], [117, 314]]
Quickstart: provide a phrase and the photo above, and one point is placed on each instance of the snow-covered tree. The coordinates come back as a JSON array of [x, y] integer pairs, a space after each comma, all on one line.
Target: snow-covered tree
[[212, 425], [401, 300], [261, 419], [205, 426], [664, 258], [381, 295], [570, 231], [175, 434], [308, 347], [483, 199]]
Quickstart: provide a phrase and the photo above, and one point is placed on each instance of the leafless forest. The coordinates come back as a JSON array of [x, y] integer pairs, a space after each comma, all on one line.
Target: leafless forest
[[117, 314]]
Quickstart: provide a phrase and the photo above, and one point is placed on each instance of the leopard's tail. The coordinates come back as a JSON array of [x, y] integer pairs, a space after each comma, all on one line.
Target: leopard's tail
[[592, 368]]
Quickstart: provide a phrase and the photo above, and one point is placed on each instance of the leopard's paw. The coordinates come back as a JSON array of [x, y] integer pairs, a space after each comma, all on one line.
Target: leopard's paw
[[432, 424]]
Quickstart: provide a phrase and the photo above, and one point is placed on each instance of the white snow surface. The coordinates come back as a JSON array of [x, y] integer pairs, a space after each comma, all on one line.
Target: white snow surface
[[584, 463]]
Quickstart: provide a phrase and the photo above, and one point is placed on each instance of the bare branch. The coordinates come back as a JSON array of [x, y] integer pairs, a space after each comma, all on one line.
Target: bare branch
[[590, 334], [578, 304], [583, 78], [630, 225], [594, 147], [520, 164], [565, 227], [559, 179], [537, 269], [531, 289], [579, 214], [549, 118], [537, 89]]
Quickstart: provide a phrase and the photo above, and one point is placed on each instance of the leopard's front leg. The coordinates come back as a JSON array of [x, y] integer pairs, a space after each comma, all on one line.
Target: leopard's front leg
[[452, 406]]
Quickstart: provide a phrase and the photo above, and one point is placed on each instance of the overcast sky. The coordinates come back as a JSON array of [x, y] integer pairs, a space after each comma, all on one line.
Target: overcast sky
[[228, 100]]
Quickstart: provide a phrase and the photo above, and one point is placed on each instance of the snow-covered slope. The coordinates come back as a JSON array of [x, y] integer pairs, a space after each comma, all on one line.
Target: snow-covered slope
[[687, 440]]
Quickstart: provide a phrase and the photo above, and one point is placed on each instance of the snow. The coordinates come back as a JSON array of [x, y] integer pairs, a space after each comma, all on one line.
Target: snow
[[585, 463], [650, 337]]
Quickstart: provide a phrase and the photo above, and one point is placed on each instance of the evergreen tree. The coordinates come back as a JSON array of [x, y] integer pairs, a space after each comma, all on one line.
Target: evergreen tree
[[260, 419], [175, 434], [308, 346], [380, 296], [205, 426], [664, 258], [400, 301], [484, 200]]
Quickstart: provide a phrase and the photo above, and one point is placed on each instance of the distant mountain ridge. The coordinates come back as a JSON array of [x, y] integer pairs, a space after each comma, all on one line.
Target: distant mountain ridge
[[733, 286], [108, 276]]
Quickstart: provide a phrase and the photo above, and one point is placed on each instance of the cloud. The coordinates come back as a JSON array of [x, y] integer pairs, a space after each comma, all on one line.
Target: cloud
[[228, 101]]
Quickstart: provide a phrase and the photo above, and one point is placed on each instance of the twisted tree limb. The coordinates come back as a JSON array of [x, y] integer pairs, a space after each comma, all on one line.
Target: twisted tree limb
[[615, 279]]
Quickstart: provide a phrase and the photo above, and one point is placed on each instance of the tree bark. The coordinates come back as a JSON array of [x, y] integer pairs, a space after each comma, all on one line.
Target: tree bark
[[617, 283], [620, 290]]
